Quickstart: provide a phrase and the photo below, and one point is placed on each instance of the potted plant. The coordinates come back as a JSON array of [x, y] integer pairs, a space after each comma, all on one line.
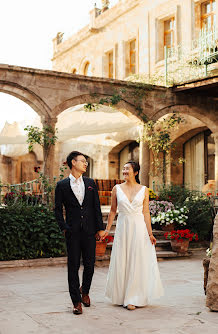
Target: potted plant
[[155, 207], [101, 245], [171, 219], [180, 239]]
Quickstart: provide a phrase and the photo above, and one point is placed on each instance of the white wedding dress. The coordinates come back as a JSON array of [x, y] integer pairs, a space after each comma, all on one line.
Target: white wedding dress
[[133, 276]]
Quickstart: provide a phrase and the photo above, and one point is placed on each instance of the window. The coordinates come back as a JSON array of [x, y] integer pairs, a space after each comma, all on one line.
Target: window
[[87, 69], [110, 64], [208, 14], [132, 57], [169, 32]]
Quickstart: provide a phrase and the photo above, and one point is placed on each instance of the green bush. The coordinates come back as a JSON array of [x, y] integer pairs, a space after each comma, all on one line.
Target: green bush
[[201, 213], [28, 232]]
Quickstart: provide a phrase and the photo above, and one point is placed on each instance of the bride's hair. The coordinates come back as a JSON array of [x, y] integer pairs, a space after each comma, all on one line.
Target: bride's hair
[[136, 168]]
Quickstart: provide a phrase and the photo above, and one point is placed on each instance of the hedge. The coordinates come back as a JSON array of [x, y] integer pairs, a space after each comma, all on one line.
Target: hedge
[[28, 232]]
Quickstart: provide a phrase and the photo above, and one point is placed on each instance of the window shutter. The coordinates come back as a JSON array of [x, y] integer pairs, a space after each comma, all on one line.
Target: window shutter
[[197, 19]]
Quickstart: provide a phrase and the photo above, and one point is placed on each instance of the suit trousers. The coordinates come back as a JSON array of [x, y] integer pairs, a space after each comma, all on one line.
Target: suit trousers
[[80, 244]]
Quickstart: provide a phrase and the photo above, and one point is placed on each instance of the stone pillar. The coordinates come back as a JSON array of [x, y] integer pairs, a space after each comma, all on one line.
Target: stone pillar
[[48, 153], [144, 161], [14, 177], [212, 284]]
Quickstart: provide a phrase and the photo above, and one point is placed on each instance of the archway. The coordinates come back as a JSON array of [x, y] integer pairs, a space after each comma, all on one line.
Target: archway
[[192, 154], [26, 95], [16, 163], [95, 134], [120, 154]]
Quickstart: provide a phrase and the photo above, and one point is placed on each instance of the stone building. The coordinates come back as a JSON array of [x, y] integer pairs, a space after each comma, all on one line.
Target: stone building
[[131, 38], [136, 39]]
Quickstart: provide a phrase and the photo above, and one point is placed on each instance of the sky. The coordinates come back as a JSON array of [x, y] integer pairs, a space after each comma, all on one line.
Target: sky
[[27, 28]]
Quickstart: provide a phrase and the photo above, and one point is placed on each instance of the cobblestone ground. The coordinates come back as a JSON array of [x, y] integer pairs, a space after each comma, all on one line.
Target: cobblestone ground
[[36, 300]]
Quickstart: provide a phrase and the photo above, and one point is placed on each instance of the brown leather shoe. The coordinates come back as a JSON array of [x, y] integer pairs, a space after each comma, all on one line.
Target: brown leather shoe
[[85, 298], [77, 309]]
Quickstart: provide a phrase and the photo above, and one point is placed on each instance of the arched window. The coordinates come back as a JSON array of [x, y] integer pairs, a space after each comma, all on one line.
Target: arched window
[[74, 71], [87, 69]]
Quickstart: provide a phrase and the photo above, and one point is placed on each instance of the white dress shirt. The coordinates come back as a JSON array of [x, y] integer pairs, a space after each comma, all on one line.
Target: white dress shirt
[[78, 187]]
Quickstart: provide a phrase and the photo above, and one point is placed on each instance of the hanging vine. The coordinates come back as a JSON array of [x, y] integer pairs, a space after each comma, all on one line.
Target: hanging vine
[[158, 135]]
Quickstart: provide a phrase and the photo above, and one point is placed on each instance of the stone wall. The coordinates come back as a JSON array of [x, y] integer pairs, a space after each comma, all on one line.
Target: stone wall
[[212, 284], [115, 28]]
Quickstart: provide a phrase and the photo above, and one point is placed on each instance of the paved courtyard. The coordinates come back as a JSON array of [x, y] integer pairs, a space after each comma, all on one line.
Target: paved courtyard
[[36, 300]]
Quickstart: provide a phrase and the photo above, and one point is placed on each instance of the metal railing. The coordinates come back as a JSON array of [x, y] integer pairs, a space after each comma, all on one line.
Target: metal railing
[[30, 192], [185, 63]]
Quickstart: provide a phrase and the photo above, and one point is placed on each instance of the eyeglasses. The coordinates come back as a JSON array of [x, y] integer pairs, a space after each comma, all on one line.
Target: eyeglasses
[[83, 161]]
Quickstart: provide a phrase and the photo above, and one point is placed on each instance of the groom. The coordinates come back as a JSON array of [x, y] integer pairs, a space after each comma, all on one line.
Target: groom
[[79, 196]]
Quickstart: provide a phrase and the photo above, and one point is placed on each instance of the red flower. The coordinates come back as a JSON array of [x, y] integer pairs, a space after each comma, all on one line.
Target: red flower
[[209, 194], [65, 163], [36, 169], [181, 235]]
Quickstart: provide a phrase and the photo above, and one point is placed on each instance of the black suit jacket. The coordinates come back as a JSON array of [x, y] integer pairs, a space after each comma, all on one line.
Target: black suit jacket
[[86, 216]]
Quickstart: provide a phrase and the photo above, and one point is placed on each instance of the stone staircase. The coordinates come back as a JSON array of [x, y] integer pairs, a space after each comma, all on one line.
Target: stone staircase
[[163, 246]]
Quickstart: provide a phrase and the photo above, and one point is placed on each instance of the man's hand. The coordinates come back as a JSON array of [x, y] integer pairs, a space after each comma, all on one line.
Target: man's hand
[[102, 234], [64, 232]]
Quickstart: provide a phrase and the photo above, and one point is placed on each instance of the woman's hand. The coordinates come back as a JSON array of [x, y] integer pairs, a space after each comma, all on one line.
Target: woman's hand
[[102, 234], [153, 239]]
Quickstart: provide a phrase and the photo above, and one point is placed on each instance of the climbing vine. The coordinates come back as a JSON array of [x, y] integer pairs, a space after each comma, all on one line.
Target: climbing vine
[[158, 135], [45, 137], [136, 95]]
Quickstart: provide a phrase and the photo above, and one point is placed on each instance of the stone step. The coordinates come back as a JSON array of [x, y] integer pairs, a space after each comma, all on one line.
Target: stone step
[[161, 245], [102, 261], [171, 254]]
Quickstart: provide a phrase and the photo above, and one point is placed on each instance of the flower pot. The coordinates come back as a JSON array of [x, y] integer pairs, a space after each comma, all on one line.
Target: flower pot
[[167, 228], [100, 248], [180, 246]]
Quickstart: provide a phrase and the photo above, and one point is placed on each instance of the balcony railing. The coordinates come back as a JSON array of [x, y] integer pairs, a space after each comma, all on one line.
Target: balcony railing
[[186, 63]]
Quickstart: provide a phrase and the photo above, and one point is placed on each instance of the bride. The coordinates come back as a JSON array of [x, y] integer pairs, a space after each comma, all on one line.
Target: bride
[[133, 277]]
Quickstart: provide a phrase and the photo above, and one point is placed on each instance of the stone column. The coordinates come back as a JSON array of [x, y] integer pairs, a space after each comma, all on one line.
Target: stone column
[[212, 284], [144, 161], [14, 176], [48, 153]]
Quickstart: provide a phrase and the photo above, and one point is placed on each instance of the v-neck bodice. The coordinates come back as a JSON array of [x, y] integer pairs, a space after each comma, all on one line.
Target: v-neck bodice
[[125, 206]]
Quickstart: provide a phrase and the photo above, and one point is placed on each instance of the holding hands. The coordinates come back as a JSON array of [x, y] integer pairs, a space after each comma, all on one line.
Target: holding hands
[[101, 235]]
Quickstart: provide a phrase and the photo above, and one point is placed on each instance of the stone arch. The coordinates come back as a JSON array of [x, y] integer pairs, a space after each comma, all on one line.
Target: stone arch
[[208, 118], [122, 106], [27, 96], [114, 158], [83, 63]]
